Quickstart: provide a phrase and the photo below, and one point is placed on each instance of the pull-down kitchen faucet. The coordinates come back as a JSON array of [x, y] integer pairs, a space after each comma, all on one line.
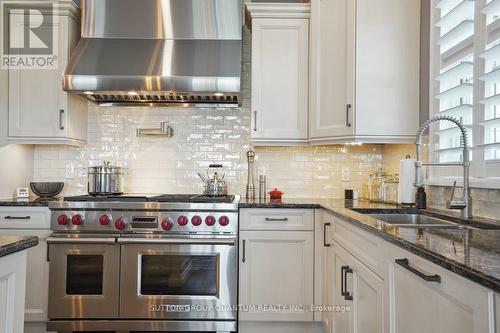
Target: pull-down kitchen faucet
[[465, 204]]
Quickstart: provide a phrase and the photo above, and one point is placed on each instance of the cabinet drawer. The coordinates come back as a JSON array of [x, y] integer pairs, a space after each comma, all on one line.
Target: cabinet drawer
[[277, 219], [366, 248], [24, 218]]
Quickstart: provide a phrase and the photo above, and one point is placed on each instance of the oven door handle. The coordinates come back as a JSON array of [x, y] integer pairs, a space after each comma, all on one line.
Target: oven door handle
[[81, 240], [194, 241]]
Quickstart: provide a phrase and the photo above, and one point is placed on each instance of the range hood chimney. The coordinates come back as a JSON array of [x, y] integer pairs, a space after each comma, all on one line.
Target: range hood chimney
[[158, 52]]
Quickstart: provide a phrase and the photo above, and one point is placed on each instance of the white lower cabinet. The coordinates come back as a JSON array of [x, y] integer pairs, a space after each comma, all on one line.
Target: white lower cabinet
[[32, 221], [276, 268], [12, 290], [359, 292], [407, 294], [37, 276], [421, 303]]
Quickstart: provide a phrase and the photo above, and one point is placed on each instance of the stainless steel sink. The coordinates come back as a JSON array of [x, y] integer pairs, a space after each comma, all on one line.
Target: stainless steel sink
[[414, 221]]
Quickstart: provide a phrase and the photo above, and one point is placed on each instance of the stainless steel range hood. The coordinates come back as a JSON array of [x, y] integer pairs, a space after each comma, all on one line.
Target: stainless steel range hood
[[149, 52]]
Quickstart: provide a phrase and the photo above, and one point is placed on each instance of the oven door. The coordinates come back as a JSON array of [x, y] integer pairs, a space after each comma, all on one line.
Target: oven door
[[83, 278], [178, 278]]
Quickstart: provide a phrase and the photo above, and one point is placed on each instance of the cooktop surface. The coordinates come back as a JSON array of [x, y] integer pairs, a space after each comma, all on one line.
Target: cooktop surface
[[131, 197]]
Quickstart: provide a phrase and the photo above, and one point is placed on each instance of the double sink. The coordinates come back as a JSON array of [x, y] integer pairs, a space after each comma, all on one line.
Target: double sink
[[415, 221], [420, 220]]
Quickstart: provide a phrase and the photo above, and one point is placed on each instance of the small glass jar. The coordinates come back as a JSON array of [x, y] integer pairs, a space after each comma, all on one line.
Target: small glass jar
[[390, 189], [375, 186]]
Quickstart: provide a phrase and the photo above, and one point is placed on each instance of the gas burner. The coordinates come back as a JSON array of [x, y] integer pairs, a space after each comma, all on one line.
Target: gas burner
[[181, 198], [200, 198], [108, 197]]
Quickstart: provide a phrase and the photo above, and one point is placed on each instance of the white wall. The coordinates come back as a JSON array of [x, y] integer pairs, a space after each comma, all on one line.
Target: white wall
[[16, 168]]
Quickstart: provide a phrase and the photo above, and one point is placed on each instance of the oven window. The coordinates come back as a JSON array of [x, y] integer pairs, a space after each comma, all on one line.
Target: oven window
[[84, 275], [179, 275]]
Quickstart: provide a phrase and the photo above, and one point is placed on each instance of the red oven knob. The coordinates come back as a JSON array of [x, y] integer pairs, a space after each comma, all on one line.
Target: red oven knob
[[167, 224], [63, 219], [77, 219], [223, 220], [104, 220], [120, 224], [196, 220], [210, 220], [182, 220]]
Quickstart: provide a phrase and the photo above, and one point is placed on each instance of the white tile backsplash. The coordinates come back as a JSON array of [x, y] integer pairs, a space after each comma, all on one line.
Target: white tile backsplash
[[202, 137]]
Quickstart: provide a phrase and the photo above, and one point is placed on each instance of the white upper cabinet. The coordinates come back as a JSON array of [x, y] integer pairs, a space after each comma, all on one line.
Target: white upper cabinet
[[280, 69], [365, 69], [332, 68], [40, 112]]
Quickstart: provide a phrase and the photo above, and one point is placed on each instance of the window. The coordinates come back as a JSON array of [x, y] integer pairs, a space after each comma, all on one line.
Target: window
[[465, 68]]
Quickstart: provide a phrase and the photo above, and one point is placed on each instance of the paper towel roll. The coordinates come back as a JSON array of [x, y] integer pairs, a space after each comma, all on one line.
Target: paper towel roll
[[406, 193]]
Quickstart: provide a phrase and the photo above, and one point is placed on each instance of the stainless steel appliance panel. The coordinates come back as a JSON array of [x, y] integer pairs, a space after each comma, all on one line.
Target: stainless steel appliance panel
[[142, 326], [181, 278], [164, 19], [83, 278]]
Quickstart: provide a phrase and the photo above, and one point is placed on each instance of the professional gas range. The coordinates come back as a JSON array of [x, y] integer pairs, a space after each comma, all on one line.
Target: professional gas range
[[140, 263]]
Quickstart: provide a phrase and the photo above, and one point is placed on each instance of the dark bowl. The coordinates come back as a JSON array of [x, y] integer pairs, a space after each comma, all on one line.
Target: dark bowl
[[46, 189]]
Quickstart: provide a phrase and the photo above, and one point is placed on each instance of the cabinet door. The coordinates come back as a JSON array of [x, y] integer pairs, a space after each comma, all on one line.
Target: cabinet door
[[332, 68], [276, 268], [35, 94], [451, 306], [365, 296], [342, 317], [37, 281], [328, 288], [12, 271], [37, 275], [280, 63], [387, 68]]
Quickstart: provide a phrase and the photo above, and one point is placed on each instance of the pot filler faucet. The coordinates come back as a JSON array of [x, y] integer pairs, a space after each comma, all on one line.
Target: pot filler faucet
[[465, 204]]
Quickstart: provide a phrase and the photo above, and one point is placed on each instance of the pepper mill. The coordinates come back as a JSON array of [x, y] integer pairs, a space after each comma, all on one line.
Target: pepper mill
[[250, 183]]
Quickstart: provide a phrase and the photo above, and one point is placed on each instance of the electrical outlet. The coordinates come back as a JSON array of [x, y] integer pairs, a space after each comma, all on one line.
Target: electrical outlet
[[345, 174]]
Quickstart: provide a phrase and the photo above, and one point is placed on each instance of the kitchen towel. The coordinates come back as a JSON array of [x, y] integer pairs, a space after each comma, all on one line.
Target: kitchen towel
[[406, 193]]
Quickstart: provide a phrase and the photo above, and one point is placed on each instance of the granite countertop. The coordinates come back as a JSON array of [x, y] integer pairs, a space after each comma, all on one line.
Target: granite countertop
[[471, 252], [12, 244], [31, 201]]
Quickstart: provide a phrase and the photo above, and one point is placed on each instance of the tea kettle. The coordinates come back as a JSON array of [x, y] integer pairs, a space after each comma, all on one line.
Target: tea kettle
[[213, 180]]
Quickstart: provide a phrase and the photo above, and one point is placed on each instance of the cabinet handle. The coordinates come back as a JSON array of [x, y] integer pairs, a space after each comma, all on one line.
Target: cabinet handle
[[255, 120], [268, 219], [406, 264], [347, 113], [17, 217], [325, 244], [243, 256], [343, 283], [61, 114]]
